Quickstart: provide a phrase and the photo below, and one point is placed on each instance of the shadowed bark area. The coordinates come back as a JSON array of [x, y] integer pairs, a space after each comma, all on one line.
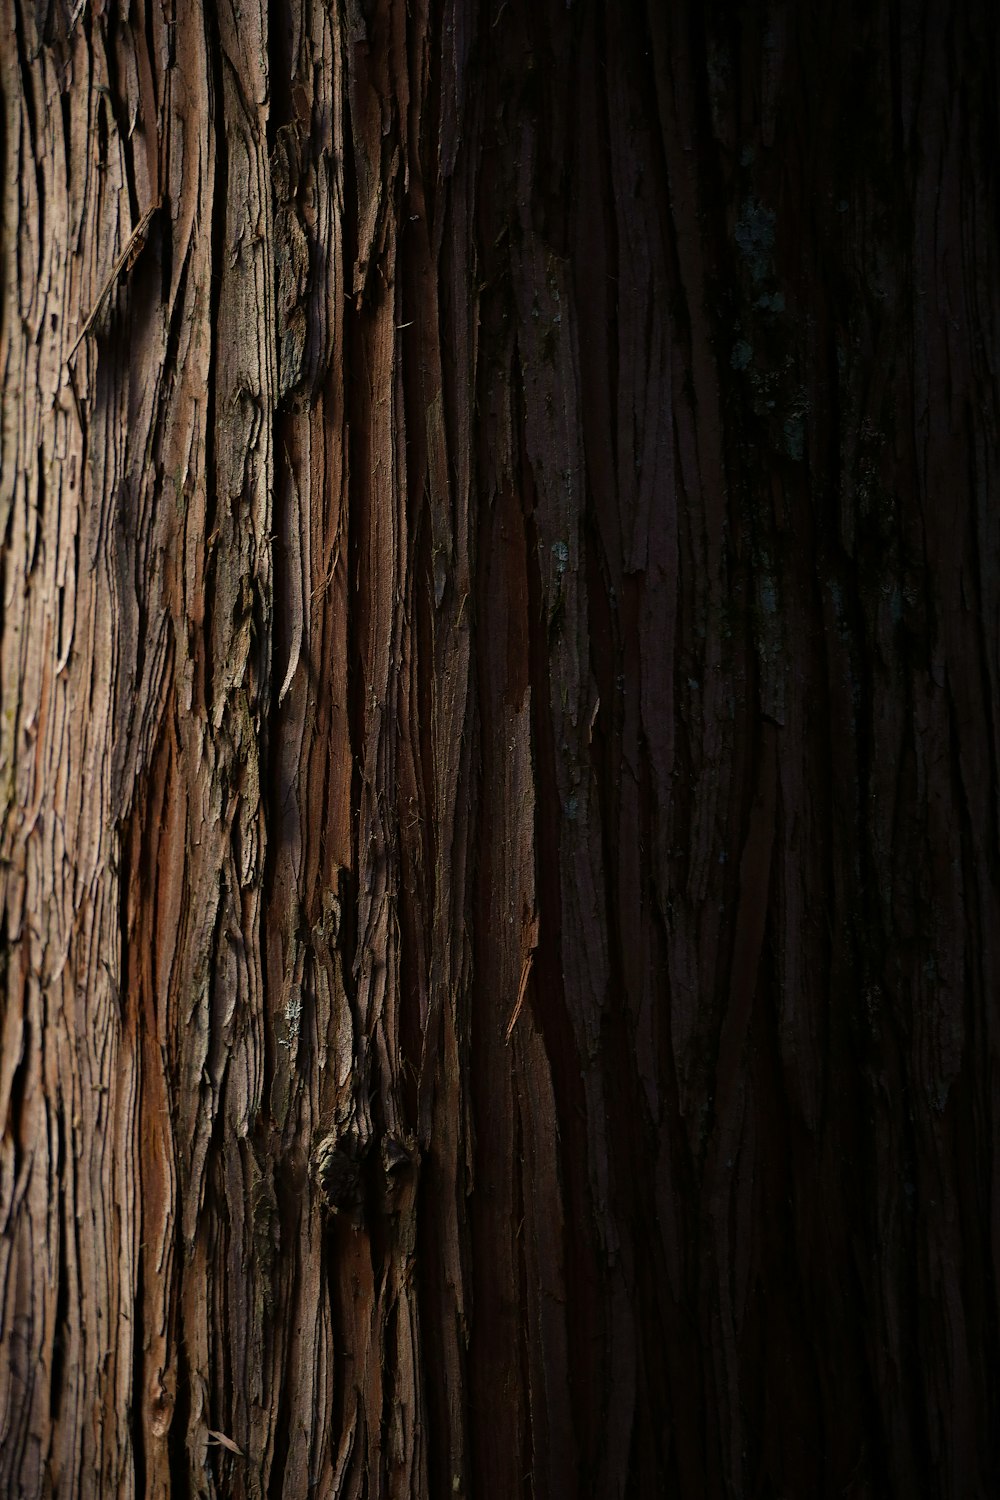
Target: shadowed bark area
[[498, 754]]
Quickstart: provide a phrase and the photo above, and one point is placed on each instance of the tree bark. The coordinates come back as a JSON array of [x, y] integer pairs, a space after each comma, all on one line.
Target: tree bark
[[498, 754]]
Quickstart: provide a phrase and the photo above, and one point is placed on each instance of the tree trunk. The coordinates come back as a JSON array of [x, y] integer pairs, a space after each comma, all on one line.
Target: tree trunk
[[499, 750]]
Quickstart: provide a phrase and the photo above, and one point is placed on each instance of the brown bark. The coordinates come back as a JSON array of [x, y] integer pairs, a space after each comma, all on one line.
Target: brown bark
[[499, 830]]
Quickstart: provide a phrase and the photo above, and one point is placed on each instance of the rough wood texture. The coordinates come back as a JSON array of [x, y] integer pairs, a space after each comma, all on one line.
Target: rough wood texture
[[499, 750]]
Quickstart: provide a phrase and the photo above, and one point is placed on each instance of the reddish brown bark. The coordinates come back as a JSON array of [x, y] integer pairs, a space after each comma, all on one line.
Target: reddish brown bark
[[499, 660]]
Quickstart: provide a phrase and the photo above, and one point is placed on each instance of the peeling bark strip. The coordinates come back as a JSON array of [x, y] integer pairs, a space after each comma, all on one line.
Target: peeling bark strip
[[499, 855]]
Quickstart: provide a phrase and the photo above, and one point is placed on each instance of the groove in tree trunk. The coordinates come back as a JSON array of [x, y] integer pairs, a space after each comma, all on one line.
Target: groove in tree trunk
[[499, 749]]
